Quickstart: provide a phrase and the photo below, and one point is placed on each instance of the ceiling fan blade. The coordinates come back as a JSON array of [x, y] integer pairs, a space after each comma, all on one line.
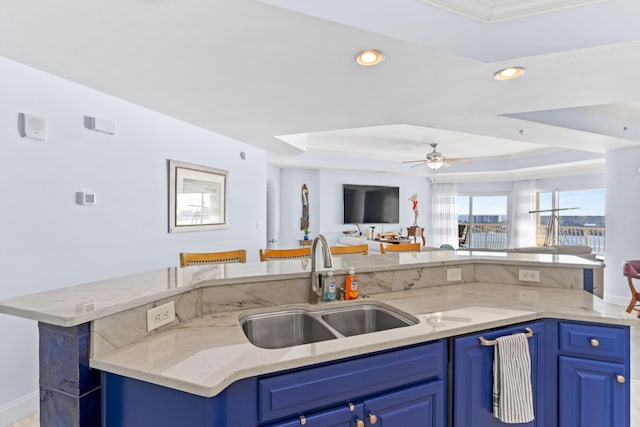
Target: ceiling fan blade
[[459, 160], [415, 166], [413, 161]]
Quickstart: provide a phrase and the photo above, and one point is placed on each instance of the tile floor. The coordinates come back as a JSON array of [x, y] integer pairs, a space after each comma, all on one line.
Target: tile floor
[[33, 420]]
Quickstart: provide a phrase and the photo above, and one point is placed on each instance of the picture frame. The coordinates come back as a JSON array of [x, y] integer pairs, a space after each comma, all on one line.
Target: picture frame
[[197, 197]]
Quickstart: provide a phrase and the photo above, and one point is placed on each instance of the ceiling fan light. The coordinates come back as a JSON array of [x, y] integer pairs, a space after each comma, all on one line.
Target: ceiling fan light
[[435, 164], [509, 73]]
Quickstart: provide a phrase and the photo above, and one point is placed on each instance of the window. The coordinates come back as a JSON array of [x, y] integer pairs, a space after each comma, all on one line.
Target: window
[[574, 218], [485, 220]]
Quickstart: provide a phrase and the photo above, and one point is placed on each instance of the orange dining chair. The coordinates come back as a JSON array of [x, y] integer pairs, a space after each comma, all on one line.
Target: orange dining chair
[[277, 254], [631, 269], [350, 250], [193, 258], [400, 247]]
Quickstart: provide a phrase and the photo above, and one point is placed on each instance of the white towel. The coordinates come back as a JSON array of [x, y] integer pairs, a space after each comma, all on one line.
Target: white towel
[[512, 395]]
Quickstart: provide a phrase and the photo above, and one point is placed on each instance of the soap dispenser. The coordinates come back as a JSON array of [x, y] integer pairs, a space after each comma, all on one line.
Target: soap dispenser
[[329, 288], [351, 285]]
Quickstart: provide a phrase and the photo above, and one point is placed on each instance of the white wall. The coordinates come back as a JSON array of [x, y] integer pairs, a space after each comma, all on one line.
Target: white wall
[[623, 227], [50, 242], [325, 201]]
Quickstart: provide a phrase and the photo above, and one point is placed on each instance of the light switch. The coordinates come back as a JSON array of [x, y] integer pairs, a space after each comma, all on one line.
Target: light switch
[[85, 199]]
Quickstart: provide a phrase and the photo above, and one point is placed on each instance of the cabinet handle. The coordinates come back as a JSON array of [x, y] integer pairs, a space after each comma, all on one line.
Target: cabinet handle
[[303, 420], [620, 378], [372, 419], [595, 342], [359, 423], [351, 407]]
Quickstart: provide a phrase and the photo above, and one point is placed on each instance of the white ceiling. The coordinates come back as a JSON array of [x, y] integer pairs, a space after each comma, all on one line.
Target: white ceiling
[[283, 79]]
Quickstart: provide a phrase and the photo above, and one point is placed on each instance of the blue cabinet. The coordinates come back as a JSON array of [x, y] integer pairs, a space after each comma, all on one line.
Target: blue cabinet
[[473, 378], [388, 387], [593, 375], [421, 405], [592, 394], [580, 377], [346, 415]]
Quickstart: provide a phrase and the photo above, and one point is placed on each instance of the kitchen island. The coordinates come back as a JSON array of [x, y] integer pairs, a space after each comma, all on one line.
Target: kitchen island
[[205, 356]]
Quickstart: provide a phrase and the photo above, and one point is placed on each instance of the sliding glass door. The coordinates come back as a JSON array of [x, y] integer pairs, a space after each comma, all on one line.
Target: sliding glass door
[[482, 221]]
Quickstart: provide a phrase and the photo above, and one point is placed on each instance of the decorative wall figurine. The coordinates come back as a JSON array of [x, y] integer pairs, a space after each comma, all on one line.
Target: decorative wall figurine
[[414, 199], [304, 220]]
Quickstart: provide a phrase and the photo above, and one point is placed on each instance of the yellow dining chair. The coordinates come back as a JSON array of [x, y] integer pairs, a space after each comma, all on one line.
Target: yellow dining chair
[[350, 250], [276, 254], [400, 247], [194, 258]]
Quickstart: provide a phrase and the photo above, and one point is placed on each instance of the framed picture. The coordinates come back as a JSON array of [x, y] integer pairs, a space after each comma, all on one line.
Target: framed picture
[[197, 197]]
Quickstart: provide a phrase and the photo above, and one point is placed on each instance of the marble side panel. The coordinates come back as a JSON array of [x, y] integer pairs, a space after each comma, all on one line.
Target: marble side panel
[[429, 277], [370, 283], [64, 359], [566, 278], [252, 295], [61, 409], [117, 330], [69, 388]]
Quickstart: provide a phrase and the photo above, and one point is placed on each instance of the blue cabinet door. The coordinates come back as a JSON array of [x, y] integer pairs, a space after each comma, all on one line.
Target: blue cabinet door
[[593, 393], [473, 378], [344, 416], [420, 406]]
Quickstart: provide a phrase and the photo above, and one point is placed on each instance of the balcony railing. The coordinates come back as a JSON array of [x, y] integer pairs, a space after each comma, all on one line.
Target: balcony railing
[[489, 236], [588, 236], [494, 236]]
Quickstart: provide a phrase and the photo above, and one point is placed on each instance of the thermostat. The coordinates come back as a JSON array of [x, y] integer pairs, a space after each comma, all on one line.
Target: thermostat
[[32, 126], [85, 199]]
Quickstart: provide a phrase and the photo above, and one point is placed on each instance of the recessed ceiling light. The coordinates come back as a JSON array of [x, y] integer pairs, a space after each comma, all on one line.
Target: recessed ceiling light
[[509, 73], [369, 57]]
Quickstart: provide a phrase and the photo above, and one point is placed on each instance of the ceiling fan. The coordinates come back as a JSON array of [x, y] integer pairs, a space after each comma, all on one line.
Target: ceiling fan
[[435, 160]]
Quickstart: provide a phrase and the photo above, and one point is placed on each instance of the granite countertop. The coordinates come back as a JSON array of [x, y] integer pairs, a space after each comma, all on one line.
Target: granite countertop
[[205, 355], [83, 303]]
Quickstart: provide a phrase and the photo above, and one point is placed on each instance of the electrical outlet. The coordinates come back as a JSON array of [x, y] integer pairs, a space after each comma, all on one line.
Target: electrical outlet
[[454, 274], [529, 275], [160, 316]]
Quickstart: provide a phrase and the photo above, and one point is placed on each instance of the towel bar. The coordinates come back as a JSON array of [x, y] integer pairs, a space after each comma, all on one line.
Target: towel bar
[[528, 333]]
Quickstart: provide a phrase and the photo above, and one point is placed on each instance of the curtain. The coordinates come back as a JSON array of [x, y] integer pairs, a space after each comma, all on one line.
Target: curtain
[[522, 229], [444, 218]]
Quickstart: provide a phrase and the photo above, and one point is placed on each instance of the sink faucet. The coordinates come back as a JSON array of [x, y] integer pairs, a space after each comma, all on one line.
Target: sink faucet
[[316, 286]]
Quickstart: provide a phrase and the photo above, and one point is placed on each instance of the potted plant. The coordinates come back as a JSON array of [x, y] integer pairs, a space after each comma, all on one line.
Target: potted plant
[[306, 234]]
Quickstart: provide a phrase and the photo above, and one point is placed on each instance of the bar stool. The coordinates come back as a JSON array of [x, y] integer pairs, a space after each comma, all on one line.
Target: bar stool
[[194, 258], [631, 269], [280, 254]]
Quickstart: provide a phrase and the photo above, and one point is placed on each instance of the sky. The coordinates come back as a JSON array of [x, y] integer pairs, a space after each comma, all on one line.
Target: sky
[[590, 202]]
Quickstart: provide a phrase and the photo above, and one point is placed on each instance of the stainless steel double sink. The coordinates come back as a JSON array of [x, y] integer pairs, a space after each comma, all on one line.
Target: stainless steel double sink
[[288, 328]]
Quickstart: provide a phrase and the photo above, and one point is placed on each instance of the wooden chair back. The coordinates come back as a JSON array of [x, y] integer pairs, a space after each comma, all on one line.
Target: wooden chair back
[[400, 247], [631, 269], [275, 254], [350, 250], [193, 258]]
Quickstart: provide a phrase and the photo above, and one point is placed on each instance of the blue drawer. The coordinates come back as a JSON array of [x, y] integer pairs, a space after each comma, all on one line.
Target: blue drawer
[[301, 391], [594, 340]]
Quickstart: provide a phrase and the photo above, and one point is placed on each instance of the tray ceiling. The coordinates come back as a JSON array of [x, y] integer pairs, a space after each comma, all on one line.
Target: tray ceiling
[[489, 11]]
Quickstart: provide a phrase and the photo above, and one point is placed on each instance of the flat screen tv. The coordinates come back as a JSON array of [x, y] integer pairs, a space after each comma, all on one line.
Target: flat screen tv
[[371, 204]]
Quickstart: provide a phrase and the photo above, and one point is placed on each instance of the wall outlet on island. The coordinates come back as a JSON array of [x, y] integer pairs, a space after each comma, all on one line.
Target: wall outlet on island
[[529, 275], [160, 316]]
